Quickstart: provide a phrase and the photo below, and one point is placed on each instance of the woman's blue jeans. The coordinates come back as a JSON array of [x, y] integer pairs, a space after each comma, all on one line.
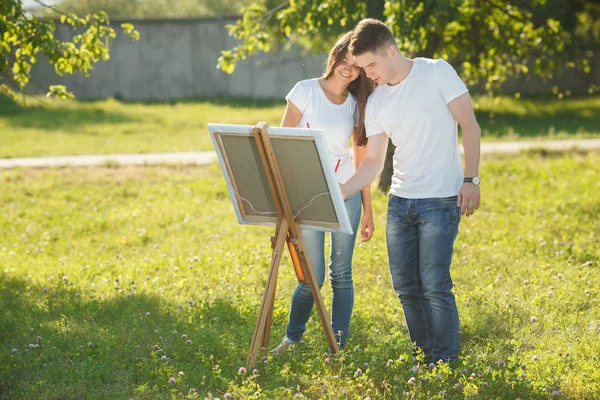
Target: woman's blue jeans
[[420, 238], [340, 273]]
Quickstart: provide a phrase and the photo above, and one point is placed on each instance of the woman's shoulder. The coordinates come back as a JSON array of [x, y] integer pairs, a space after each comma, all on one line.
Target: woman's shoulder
[[353, 100], [305, 87], [301, 93], [308, 83]]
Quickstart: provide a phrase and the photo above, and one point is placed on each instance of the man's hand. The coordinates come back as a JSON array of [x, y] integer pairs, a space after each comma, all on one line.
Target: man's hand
[[468, 198], [370, 167], [343, 190], [367, 227]]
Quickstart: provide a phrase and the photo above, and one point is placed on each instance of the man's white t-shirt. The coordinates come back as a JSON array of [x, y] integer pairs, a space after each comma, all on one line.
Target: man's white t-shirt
[[416, 116], [337, 120]]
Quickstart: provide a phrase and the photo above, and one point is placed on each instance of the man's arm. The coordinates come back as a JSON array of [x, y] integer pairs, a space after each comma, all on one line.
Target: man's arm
[[367, 225], [370, 167], [462, 109]]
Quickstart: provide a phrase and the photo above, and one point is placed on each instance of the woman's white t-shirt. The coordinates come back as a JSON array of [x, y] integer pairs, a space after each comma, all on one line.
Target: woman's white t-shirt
[[337, 120]]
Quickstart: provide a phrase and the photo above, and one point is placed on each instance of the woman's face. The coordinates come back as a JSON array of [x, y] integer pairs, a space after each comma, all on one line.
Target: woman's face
[[347, 69]]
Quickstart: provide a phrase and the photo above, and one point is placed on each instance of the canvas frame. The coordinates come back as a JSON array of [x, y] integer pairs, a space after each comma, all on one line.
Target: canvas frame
[[225, 135]]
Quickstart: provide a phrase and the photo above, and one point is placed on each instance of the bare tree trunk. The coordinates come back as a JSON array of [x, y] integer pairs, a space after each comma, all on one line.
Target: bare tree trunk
[[595, 75], [385, 180]]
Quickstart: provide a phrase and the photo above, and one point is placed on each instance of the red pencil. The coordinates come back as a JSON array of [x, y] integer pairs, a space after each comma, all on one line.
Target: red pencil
[[307, 125]]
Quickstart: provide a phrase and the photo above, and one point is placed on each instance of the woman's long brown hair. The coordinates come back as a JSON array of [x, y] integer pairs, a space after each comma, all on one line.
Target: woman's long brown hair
[[361, 87]]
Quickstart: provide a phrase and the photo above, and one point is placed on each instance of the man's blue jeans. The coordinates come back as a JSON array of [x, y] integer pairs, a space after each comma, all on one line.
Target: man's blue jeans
[[340, 273], [420, 238]]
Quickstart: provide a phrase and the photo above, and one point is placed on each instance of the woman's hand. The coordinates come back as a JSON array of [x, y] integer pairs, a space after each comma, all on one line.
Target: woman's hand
[[367, 226]]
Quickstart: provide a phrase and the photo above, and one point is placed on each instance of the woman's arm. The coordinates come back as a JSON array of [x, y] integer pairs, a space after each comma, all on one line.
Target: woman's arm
[[367, 226], [291, 116]]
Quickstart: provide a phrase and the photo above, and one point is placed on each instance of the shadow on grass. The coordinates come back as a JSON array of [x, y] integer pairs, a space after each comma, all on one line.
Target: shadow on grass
[[379, 345], [111, 348], [35, 114], [105, 348], [394, 339]]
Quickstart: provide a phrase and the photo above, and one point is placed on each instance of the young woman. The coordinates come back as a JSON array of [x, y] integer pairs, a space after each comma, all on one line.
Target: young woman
[[335, 103]]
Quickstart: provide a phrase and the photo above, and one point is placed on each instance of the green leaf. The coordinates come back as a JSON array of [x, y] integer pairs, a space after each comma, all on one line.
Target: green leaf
[[24, 36]]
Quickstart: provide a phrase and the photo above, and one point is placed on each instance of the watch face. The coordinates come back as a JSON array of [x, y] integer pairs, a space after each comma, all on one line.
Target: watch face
[[476, 180]]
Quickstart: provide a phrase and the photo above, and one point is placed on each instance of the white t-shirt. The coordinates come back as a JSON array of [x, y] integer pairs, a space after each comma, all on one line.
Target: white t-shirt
[[416, 116], [337, 120]]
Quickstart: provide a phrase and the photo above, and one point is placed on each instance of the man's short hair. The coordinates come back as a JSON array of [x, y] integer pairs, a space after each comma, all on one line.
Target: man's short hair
[[371, 35]]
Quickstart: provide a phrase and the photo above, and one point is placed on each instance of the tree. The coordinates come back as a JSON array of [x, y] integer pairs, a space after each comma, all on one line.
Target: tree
[[23, 37], [156, 8], [487, 40]]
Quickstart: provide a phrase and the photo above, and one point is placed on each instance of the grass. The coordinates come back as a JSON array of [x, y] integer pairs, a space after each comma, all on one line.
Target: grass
[[45, 127], [525, 118], [103, 270]]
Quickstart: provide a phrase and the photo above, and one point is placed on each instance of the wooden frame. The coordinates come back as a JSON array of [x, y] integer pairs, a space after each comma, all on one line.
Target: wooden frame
[[267, 214]]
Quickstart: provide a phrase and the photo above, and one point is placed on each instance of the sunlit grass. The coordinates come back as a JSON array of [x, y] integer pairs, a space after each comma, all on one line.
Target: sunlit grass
[[107, 273]]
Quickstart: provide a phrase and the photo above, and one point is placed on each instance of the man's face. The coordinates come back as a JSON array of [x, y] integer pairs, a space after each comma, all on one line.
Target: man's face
[[377, 66]]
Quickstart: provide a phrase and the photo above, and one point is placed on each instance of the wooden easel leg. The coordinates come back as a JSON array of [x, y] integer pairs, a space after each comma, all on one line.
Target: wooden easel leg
[[316, 293], [266, 336], [267, 332], [266, 308], [299, 274]]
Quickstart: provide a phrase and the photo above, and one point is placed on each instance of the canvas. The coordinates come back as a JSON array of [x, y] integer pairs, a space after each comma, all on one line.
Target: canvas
[[306, 171]]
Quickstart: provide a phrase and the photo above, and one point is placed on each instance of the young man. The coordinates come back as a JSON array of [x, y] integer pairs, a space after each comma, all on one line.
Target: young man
[[418, 104]]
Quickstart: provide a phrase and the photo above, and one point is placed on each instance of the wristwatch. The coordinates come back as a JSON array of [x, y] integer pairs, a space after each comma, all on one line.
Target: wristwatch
[[473, 179]]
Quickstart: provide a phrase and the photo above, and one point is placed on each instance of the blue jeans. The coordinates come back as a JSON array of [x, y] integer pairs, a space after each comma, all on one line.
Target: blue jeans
[[420, 238], [340, 273]]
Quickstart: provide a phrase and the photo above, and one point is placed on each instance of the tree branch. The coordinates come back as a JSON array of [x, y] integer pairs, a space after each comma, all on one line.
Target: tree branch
[[272, 11], [503, 9], [49, 7]]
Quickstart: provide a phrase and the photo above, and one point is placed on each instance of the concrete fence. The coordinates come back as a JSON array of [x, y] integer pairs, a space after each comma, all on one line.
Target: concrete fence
[[177, 59]]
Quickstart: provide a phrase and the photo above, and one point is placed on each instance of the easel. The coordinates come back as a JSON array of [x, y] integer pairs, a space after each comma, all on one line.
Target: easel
[[286, 231]]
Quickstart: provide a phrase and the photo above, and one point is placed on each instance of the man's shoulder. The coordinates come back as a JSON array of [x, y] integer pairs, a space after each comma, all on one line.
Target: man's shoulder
[[430, 61], [433, 64]]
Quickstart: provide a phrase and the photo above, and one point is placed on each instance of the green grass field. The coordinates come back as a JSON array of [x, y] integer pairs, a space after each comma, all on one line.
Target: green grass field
[[44, 127], [107, 273]]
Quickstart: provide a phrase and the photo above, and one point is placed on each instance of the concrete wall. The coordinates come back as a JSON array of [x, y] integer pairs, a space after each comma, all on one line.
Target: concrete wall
[[177, 59]]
